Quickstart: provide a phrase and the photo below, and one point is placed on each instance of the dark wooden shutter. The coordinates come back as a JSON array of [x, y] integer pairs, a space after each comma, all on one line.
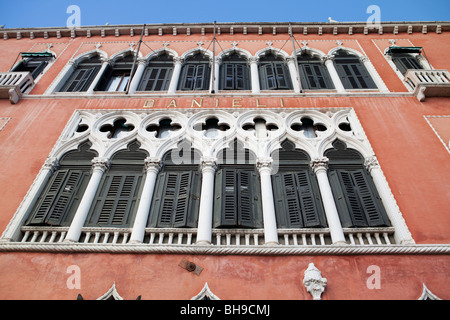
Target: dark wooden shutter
[[369, 200], [225, 197], [236, 200], [176, 200], [310, 210], [405, 62], [188, 79], [354, 76], [156, 79], [267, 77], [61, 193], [229, 76], [282, 76], [357, 201], [117, 201], [245, 197], [287, 204], [81, 80], [314, 76], [297, 201]]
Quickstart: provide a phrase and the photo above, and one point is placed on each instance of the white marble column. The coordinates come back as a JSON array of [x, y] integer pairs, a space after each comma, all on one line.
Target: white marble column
[[178, 62], [374, 74], [205, 216], [254, 74], [294, 74], [402, 234], [99, 166], [320, 167], [328, 59], [142, 64], [152, 167], [105, 64], [268, 207]]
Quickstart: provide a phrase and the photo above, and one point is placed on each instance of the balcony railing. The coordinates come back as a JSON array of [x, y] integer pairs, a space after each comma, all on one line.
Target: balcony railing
[[220, 237], [428, 83], [14, 84]]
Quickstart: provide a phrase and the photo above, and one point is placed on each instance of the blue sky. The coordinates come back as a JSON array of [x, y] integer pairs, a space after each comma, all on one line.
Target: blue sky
[[52, 13]]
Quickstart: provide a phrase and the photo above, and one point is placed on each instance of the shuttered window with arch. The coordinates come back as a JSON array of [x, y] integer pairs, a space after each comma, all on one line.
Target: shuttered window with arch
[[60, 198], [355, 194], [117, 198], [296, 193]]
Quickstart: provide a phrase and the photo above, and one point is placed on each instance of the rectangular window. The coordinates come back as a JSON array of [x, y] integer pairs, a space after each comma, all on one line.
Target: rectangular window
[[274, 76], [176, 200], [237, 199], [80, 80], [314, 76], [356, 198], [297, 200], [60, 198], [118, 82], [156, 79], [116, 201], [195, 77], [404, 62], [354, 75]]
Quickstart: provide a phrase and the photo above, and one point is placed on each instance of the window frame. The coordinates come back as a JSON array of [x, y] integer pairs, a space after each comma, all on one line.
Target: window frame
[[195, 74], [278, 72], [319, 73], [240, 206], [352, 72], [149, 83], [90, 68], [229, 71]]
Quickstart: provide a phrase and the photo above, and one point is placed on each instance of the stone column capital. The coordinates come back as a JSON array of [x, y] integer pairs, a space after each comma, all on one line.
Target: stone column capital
[[264, 165], [51, 164], [100, 163], [371, 163], [319, 164], [152, 164], [208, 163], [178, 60], [253, 60]]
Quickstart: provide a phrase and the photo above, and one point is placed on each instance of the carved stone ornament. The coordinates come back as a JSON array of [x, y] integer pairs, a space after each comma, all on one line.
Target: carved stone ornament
[[314, 282], [319, 164]]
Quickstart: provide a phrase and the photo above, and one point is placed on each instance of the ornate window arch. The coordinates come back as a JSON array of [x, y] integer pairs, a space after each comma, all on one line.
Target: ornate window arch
[[83, 71], [356, 196], [273, 71], [115, 203], [351, 70], [196, 70], [62, 194]]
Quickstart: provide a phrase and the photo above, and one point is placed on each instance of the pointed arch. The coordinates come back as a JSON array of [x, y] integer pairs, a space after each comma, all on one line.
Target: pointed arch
[[315, 53], [205, 294], [230, 51], [192, 52], [355, 52], [89, 55], [279, 53], [427, 294], [111, 294]]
